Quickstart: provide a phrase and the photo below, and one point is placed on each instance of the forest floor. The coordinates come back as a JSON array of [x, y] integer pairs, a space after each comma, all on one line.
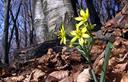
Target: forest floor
[[67, 65]]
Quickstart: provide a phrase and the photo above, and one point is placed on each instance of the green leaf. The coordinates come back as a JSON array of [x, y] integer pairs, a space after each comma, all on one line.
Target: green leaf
[[81, 52], [106, 59]]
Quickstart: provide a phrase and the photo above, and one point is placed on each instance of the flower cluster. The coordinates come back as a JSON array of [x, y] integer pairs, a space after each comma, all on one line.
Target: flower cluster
[[62, 35], [83, 17], [81, 33]]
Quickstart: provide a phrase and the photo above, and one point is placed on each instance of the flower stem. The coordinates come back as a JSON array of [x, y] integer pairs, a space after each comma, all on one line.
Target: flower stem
[[87, 54]]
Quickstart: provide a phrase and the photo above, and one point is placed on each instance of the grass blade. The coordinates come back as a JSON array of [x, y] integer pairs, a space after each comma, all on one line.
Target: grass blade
[[106, 59]]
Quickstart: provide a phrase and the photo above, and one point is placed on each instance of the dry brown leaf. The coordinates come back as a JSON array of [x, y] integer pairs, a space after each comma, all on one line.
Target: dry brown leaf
[[46, 58], [121, 67], [117, 42], [8, 80], [18, 78], [97, 49], [117, 32], [28, 78], [125, 43], [123, 57], [117, 51], [76, 70], [97, 66], [64, 49], [50, 51], [66, 79], [2, 71], [75, 56], [36, 74], [124, 78], [75, 75], [112, 61], [59, 74], [51, 79], [84, 76]]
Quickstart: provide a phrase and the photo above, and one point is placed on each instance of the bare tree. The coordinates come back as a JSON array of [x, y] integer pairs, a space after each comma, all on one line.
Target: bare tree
[[48, 16], [31, 23], [94, 18], [25, 19], [28, 22], [5, 34], [15, 27]]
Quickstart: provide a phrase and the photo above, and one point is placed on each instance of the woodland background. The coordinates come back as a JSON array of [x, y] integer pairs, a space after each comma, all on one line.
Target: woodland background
[[27, 24]]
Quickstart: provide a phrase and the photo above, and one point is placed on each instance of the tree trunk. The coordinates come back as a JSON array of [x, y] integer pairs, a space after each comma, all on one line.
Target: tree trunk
[[48, 15], [15, 27], [31, 35], [25, 32], [93, 15], [5, 34], [40, 28]]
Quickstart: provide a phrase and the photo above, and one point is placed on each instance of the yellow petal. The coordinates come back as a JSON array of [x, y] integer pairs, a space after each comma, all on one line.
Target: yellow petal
[[85, 41], [81, 41], [62, 27], [82, 13], [85, 36], [80, 23], [59, 37], [73, 33], [78, 18], [70, 45], [86, 16], [61, 41], [87, 12], [62, 30], [77, 27], [74, 39], [84, 29], [64, 40]]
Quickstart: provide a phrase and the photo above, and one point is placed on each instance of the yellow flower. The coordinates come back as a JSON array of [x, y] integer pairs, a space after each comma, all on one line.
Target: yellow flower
[[84, 15], [62, 35], [80, 35]]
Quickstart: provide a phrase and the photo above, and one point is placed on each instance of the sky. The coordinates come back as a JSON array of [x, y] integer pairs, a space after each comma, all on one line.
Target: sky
[[1, 18]]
